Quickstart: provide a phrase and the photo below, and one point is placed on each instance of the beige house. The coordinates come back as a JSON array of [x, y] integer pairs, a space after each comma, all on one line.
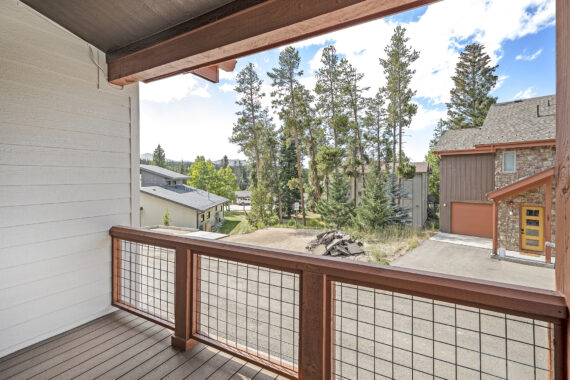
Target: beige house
[[415, 193], [163, 189]]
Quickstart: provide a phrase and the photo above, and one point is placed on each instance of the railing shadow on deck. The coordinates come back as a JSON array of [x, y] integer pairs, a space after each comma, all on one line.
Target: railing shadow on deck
[[311, 317]]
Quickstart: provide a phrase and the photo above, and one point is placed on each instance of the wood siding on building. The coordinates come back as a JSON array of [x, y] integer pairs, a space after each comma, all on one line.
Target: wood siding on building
[[68, 172], [464, 178]]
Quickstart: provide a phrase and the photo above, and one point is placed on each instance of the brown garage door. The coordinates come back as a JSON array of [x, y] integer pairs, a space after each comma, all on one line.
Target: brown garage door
[[475, 219]]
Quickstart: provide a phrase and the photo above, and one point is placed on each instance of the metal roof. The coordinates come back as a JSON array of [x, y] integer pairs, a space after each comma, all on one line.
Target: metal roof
[[517, 121], [168, 174], [185, 195]]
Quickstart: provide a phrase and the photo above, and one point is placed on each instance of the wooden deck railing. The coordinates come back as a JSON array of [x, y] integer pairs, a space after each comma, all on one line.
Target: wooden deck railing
[[312, 317]]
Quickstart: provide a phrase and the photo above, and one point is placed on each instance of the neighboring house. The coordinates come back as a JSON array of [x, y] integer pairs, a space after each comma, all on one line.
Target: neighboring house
[[497, 181], [243, 197], [415, 193], [163, 189]]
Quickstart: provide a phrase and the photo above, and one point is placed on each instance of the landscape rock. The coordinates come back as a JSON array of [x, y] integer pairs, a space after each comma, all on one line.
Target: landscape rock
[[335, 243]]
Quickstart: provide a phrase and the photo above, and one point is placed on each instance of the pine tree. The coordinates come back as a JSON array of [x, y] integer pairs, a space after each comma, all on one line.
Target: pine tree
[[337, 211], [397, 68], [159, 157], [474, 79], [375, 209], [181, 168], [313, 139], [376, 128], [288, 169], [246, 132], [329, 95], [433, 160], [225, 161], [352, 94], [261, 211], [286, 97], [329, 160]]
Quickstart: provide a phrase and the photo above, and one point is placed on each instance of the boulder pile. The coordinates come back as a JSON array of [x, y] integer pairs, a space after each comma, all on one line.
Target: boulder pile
[[335, 243]]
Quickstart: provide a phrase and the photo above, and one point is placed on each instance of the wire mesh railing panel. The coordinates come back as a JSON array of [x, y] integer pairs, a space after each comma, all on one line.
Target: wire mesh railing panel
[[146, 280], [380, 334], [250, 308]]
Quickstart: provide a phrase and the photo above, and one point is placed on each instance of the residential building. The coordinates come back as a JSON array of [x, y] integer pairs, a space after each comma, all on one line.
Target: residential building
[[243, 197], [163, 189], [497, 181], [86, 293], [414, 192]]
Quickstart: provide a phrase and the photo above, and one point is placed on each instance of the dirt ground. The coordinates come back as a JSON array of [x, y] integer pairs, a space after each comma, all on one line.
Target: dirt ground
[[281, 238]]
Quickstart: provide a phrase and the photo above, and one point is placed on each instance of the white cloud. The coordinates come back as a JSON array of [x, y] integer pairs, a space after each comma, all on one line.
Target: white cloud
[[524, 94], [173, 89], [531, 57], [426, 118], [439, 35], [228, 75], [227, 87]]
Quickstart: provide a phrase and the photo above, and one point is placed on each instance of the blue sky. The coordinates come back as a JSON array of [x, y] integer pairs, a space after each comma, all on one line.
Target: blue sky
[[191, 117]]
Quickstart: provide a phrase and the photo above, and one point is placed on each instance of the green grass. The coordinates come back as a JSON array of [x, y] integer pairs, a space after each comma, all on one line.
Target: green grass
[[235, 223]]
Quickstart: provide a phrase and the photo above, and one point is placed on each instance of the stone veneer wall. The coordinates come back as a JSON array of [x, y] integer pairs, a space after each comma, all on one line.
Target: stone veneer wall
[[529, 161]]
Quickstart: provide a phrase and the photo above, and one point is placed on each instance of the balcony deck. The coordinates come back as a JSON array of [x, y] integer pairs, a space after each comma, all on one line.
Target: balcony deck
[[121, 345]]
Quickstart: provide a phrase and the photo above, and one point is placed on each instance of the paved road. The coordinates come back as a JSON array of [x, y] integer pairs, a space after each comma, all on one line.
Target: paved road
[[461, 260], [378, 333]]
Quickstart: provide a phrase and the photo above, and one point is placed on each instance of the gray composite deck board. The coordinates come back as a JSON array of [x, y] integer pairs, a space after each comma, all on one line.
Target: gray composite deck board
[[120, 345]]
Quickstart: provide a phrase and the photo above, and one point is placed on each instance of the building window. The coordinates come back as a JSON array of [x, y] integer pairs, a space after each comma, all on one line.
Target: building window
[[208, 214], [509, 162], [201, 217]]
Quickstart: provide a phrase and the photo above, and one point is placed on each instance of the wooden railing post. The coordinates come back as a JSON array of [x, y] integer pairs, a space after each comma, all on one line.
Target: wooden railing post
[[315, 327], [116, 270], [182, 299]]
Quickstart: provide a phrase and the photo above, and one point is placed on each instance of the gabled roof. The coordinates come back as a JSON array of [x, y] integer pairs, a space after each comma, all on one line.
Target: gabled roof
[[165, 173], [518, 121], [185, 195], [521, 185], [421, 167], [243, 193]]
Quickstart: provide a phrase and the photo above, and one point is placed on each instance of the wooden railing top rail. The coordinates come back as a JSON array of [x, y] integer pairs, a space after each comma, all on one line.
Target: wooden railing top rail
[[517, 300]]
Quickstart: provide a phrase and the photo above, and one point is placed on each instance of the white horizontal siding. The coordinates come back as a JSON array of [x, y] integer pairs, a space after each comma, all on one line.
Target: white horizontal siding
[[68, 173]]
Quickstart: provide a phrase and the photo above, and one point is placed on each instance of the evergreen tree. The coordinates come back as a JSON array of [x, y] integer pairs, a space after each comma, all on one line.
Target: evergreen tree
[[166, 218], [337, 211], [313, 139], [352, 91], [375, 209], [261, 211], [247, 130], [225, 161], [350, 167], [181, 168], [286, 97], [159, 157], [376, 131], [397, 68], [433, 160], [329, 160], [474, 79], [329, 95], [288, 169]]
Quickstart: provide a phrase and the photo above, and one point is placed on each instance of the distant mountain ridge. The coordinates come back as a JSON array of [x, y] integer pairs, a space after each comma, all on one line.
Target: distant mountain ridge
[[231, 162]]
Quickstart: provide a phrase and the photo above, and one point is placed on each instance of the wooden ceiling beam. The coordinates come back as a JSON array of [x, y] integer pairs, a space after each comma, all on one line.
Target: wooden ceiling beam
[[260, 27]]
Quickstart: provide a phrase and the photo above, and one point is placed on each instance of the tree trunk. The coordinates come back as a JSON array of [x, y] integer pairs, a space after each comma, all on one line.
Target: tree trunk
[[315, 169], [354, 181], [300, 172], [280, 208]]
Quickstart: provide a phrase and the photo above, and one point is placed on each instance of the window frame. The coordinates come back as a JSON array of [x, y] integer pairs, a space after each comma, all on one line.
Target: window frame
[[514, 154]]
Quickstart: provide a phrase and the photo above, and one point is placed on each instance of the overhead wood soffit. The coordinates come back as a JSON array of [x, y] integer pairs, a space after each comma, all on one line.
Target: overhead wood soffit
[[241, 28]]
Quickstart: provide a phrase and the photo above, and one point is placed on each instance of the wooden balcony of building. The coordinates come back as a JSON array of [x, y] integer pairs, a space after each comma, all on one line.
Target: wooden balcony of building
[[122, 345]]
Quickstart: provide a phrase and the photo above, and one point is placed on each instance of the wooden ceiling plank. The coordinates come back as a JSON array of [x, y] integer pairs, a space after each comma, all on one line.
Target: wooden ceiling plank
[[264, 26]]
